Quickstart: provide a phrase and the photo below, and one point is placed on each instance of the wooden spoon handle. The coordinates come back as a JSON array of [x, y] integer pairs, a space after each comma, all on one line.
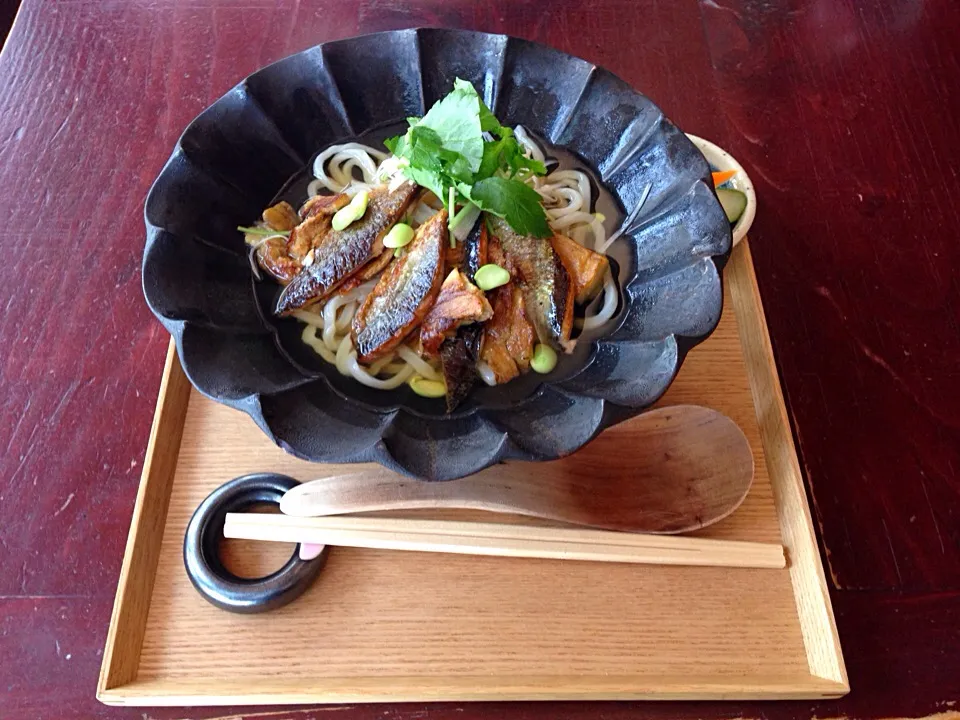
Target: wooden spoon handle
[[693, 467]]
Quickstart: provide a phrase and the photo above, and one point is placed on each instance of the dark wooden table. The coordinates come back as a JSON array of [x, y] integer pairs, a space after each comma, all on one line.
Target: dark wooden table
[[846, 114]]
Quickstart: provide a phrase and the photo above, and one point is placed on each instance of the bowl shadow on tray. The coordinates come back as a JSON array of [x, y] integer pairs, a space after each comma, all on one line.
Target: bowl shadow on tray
[[233, 157]]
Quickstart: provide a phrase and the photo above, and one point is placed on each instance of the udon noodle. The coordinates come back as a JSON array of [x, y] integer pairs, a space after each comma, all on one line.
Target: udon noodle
[[352, 167]]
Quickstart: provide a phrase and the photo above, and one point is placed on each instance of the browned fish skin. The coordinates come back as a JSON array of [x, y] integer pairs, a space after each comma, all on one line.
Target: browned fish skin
[[283, 258], [281, 216], [545, 282], [508, 337], [272, 256], [339, 254], [273, 253], [460, 302], [310, 233], [586, 267], [323, 205], [367, 272], [404, 294]]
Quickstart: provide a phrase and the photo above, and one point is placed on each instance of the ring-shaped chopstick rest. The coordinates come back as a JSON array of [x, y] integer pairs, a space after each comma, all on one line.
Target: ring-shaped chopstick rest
[[201, 550]]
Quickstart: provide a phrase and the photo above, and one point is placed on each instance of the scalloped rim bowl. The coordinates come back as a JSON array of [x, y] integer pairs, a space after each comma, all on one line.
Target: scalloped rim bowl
[[235, 157]]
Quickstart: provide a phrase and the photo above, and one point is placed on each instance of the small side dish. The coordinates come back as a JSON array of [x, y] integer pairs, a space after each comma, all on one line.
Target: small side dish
[[733, 186]]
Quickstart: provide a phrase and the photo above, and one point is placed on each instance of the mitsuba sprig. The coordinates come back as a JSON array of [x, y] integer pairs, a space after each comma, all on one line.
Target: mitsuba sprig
[[461, 152]]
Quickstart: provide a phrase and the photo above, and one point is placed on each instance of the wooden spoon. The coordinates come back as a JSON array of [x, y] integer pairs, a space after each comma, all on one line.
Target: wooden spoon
[[689, 467]]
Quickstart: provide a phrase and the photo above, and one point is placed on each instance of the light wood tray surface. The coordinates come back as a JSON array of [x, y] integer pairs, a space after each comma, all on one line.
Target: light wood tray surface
[[381, 625]]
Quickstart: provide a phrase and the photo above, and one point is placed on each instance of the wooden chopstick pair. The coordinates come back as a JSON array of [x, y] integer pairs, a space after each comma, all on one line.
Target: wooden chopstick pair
[[526, 541]]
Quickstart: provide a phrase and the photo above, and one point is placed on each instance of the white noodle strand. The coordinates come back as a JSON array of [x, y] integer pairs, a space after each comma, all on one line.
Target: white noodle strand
[[309, 336], [418, 363], [310, 318], [486, 373], [345, 316], [360, 373], [531, 149], [609, 307], [343, 355], [628, 223], [352, 167], [330, 338]]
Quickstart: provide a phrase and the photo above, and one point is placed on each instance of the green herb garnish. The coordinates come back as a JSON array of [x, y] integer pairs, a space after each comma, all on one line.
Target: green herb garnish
[[513, 200], [266, 232], [445, 151]]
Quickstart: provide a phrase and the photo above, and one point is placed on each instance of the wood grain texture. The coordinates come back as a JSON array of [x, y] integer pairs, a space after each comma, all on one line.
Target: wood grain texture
[[854, 193], [693, 468], [502, 539], [809, 585], [135, 585], [485, 628], [841, 112]]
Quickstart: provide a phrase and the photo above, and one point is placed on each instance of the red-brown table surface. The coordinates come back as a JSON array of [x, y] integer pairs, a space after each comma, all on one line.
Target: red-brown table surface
[[846, 114]]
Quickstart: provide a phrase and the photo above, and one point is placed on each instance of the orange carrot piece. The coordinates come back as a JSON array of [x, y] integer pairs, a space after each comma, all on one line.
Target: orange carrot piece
[[719, 178]]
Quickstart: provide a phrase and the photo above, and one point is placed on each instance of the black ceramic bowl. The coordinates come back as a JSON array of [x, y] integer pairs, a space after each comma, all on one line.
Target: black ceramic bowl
[[255, 143]]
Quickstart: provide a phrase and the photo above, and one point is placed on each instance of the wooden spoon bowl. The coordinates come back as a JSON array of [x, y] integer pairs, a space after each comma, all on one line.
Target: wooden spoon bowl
[[693, 468]]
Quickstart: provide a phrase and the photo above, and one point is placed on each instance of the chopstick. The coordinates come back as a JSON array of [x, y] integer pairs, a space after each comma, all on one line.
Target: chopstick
[[473, 538]]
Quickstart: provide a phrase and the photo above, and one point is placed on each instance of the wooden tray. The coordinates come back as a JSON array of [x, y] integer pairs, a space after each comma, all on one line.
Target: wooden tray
[[380, 625]]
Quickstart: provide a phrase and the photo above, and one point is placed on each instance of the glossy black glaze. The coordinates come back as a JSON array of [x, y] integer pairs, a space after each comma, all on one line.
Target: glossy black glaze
[[232, 160], [201, 555]]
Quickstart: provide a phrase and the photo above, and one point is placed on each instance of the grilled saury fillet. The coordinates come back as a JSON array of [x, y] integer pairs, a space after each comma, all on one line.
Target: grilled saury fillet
[[460, 302], [404, 294], [548, 290], [508, 336], [337, 255], [273, 254]]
